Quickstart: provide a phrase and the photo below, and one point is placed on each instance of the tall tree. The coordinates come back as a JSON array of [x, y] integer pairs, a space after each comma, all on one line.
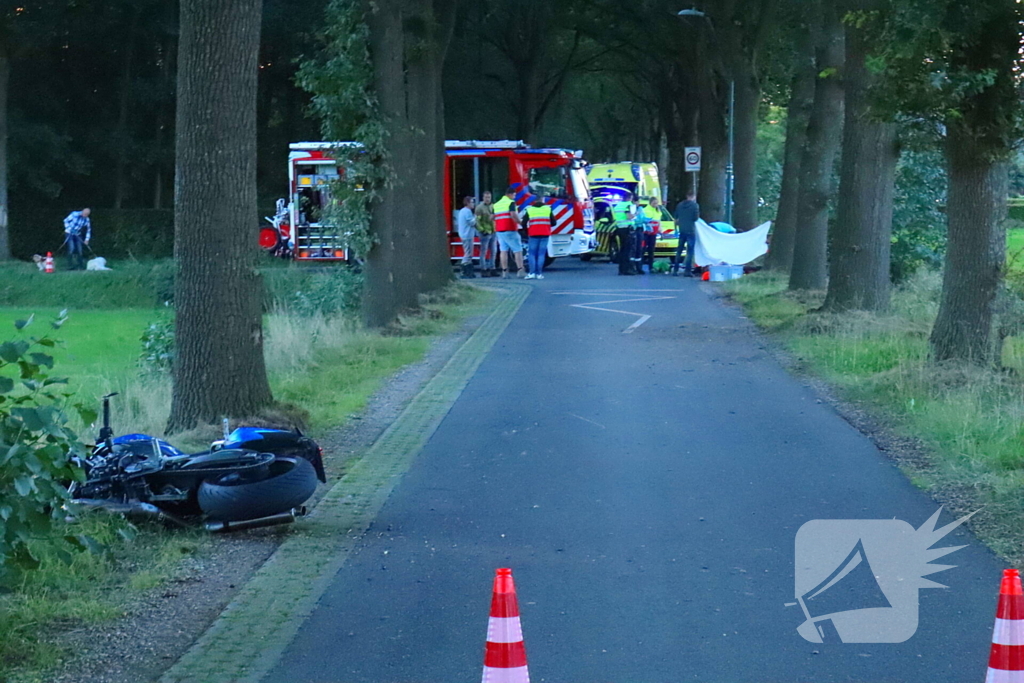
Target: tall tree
[[219, 367], [956, 65], [810, 252], [743, 28], [408, 39], [984, 40], [860, 242], [801, 100]]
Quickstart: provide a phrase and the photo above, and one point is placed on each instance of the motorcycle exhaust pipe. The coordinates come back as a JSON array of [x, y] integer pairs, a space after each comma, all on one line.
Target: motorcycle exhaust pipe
[[258, 523]]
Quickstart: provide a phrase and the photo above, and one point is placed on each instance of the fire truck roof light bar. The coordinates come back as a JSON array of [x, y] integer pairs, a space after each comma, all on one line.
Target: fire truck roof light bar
[[489, 144]]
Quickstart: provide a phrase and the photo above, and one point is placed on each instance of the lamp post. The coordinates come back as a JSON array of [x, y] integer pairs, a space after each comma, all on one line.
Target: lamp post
[[729, 169]]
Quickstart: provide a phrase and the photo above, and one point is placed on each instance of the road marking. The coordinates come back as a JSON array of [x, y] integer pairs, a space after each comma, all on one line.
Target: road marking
[[598, 305]]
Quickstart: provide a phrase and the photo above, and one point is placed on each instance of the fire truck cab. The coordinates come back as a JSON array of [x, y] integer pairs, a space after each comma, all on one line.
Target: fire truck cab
[[558, 176]]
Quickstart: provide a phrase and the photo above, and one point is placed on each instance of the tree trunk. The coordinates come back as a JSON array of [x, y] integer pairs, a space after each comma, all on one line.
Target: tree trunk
[[748, 103], [810, 252], [975, 249], [978, 150], [5, 77], [714, 142], [861, 240], [410, 256], [218, 367], [780, 256]]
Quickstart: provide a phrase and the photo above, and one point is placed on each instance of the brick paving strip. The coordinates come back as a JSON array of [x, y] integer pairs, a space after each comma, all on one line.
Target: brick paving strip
[[245, 642]]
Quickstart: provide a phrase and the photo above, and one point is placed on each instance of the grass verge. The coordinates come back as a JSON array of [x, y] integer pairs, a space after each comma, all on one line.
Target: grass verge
[[326, 365], [969, 418]]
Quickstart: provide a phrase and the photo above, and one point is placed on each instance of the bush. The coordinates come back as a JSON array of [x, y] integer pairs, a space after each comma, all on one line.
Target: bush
[[37, 449], [128, 285], [919, 216], [328, 291]]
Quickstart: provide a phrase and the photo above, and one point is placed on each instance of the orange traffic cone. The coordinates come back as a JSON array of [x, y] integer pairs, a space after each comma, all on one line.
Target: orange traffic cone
[[505, 656], [1006, 663], [48, 262]]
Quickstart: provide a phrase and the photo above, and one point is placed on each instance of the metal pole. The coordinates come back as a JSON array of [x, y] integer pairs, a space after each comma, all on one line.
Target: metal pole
[[729, 172]]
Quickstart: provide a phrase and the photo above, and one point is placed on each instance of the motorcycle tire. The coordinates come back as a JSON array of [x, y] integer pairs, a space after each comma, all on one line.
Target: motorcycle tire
[[230, 498]]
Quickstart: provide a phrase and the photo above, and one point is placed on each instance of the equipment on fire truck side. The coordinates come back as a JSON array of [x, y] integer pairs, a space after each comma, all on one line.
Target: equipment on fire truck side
[[276, 238]]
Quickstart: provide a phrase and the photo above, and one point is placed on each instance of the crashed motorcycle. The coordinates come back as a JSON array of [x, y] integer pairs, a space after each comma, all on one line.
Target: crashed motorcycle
[[253, 477]]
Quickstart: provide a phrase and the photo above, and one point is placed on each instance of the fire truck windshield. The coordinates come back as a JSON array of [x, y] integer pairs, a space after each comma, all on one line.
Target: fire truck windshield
[[548, 182]]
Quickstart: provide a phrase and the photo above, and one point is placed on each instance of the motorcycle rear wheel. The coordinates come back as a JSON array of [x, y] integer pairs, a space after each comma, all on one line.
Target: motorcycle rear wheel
[[232, 498]]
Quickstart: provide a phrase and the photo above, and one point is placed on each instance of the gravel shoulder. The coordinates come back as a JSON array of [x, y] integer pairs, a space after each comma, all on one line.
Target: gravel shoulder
[[161, 624]]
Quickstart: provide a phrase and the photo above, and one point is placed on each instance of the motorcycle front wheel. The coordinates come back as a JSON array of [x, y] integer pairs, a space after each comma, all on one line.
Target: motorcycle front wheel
[[289, 482]]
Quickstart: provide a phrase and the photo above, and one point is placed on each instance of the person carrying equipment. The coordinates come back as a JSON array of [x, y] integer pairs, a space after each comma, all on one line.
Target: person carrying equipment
[[539, 222], [624, 214], [506, 227]]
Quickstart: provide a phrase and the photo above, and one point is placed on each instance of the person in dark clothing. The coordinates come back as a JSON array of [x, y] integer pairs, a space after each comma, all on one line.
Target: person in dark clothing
[[686, 214]]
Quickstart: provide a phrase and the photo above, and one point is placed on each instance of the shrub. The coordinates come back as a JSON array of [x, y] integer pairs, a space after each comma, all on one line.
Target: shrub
[[36, 449], [919, 216]]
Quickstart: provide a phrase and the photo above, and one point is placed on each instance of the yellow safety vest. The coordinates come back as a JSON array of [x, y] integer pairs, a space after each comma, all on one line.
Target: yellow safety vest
[[539, 221]]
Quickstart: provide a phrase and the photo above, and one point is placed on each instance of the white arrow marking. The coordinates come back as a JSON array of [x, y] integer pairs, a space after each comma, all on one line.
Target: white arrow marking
[[641, 317]]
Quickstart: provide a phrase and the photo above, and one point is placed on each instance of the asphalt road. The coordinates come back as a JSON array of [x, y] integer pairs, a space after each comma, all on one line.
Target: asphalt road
[[646, 488]]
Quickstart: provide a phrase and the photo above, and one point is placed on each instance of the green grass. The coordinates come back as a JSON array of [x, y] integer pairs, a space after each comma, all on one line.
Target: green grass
[[336, 376], [98, 347], [326, 366], [971, 418]]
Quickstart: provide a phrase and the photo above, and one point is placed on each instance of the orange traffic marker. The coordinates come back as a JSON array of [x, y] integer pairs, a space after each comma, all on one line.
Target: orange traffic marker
[[1006, 663], [48, 263], [505, 656]]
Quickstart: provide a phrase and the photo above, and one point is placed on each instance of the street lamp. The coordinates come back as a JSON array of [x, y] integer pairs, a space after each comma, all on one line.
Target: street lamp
[[729, 177]]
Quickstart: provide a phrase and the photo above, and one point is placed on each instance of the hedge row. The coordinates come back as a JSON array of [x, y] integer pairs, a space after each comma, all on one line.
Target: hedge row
[[146, 284]]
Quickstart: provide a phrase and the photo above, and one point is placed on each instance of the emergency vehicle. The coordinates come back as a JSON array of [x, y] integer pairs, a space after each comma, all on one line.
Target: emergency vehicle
[[613, 183], [558, 176]]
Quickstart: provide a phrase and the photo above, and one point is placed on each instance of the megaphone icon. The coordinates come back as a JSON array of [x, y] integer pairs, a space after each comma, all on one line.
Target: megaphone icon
[[851, 586]]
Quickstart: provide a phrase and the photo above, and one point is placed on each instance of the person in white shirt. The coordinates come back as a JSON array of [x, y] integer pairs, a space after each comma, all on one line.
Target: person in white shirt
[[465, 222]]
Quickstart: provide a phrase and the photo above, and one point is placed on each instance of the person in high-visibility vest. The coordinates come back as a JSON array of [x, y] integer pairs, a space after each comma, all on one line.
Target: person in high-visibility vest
[[624, 215], [506, 227], [539, 222], [652, 228]]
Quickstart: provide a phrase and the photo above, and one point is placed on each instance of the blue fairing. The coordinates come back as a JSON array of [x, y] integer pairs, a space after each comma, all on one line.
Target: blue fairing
[[246, 434], [165, 448]]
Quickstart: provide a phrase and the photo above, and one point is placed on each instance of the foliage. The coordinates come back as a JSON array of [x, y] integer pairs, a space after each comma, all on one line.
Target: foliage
[[771, 148], [937, 60], [919, 220], [341, 81], [38, 449], [128, 285], [157, 355]]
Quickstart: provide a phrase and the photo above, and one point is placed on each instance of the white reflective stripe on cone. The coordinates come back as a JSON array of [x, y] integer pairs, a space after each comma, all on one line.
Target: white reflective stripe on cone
[[1008, 632], [504, 630], [1001, 676], [519, 674]]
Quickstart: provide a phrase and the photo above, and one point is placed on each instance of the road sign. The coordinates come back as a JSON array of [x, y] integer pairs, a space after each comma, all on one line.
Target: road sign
[[692, 158]]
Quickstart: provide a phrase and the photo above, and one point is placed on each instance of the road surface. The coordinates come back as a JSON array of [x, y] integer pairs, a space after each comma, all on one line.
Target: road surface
[[646, 484]]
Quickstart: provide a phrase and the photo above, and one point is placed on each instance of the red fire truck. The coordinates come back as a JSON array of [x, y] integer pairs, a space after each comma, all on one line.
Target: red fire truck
[[472, 167], [558, 176]]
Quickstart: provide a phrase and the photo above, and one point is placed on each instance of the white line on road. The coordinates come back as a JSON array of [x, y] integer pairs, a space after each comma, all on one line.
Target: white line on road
[[641, 317]]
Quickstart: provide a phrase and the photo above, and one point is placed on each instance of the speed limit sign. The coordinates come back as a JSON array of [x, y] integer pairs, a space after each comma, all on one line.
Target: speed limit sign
[[692, 158]]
